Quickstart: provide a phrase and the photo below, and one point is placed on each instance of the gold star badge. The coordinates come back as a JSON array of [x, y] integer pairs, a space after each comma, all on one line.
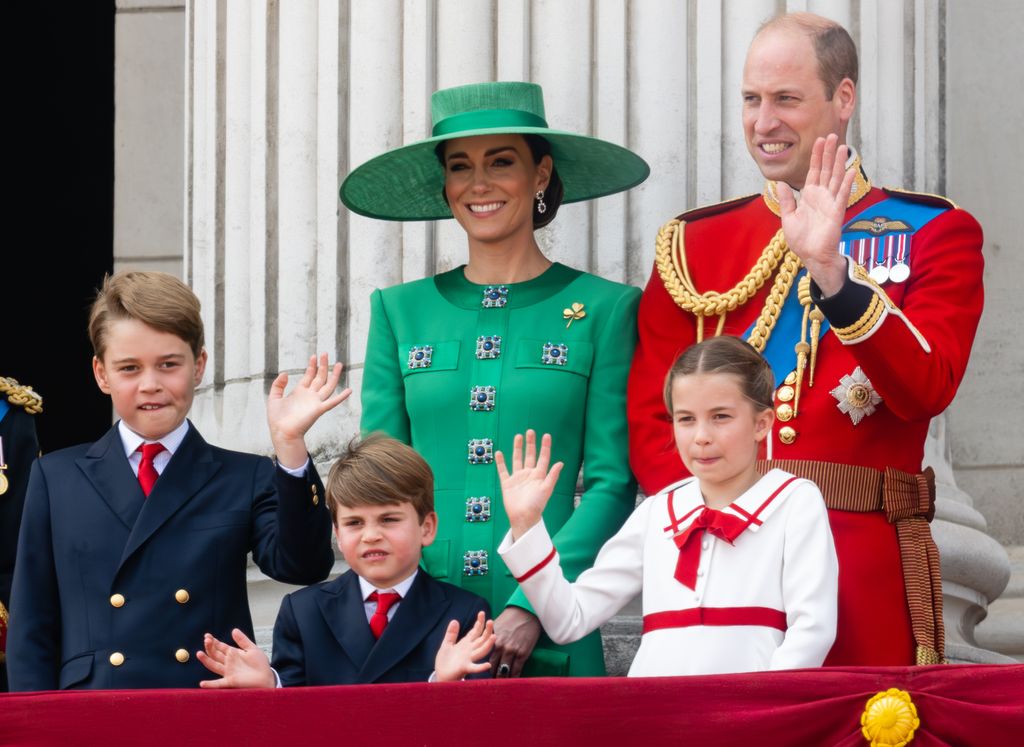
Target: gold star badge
[[857, 398]]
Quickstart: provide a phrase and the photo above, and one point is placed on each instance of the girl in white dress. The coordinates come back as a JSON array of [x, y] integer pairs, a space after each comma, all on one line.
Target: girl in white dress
[[738, 571]]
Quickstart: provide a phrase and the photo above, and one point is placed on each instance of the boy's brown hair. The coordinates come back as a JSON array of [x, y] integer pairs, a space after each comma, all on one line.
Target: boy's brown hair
[[380, 471], [159, 300]]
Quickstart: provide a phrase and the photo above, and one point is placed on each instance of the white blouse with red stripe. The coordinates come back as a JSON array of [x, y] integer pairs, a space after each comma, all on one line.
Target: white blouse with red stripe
[[767, 601]]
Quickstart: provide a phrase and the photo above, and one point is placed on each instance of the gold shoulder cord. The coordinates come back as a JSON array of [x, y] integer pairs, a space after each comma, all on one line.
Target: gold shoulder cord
[[21, 395], [670, 259]]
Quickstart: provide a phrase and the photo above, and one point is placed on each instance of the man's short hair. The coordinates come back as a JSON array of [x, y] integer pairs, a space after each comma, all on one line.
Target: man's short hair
[[159, 300], [833, 46], [380, 471]]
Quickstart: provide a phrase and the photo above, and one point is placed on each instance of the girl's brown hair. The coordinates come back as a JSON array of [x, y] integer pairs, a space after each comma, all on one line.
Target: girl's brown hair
[[726, 355]]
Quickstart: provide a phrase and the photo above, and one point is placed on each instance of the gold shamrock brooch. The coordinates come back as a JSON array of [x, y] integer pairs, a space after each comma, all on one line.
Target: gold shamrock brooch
[[574, 313]]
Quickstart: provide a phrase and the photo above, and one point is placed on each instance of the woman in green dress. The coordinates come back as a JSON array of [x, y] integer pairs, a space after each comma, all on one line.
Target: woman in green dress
[[458, 363]]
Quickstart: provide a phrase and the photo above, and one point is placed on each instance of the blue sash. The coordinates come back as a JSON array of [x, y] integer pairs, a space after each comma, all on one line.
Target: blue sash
[[886, 217], [4, 407]]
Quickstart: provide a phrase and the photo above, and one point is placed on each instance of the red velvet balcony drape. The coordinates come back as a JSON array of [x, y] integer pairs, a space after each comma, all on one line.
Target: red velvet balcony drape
[[957, 705]]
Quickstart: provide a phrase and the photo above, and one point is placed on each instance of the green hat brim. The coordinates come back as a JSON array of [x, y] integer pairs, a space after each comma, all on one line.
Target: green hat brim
[[407, 183]]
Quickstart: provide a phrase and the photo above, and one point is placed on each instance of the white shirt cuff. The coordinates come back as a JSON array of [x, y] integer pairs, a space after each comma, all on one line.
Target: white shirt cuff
[[525, 553], [299, 472]]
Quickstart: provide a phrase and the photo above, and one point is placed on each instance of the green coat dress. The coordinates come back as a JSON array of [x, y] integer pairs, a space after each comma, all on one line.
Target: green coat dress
[[457, 369]]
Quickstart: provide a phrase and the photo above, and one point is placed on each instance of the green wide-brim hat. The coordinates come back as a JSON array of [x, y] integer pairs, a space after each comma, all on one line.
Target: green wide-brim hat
[[407, 183]]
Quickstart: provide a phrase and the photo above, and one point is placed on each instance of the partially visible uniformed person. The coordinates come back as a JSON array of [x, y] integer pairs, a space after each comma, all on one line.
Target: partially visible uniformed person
[[864, 300], [19, 446]]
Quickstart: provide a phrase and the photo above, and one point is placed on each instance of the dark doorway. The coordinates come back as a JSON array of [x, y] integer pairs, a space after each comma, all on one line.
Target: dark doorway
[[59, 214]]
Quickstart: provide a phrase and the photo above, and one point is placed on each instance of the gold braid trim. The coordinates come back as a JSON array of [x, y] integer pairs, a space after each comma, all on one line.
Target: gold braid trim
[[881, 306], [670, 260], [773, 304], [862, 326], [21, 395], [3, 624]]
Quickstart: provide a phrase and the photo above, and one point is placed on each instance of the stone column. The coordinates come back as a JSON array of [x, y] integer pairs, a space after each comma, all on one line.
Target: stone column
[[148, 134], [282, 98], [975, 568]]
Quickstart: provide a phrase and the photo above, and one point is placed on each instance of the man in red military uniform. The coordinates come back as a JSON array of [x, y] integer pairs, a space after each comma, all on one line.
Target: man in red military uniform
[[865, 301]]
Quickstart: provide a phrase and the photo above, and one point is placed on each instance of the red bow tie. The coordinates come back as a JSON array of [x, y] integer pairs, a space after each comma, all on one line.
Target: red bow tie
[[722, 525]]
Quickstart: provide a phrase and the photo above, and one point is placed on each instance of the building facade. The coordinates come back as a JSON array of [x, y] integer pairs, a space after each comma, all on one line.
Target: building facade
[[237, 121]]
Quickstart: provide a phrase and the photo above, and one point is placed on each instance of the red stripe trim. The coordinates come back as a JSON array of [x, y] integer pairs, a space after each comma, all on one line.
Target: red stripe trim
[[536, 568], [772, 497], [743, 512], [673, 521], [674, 525], [761, 616], [750, 517]]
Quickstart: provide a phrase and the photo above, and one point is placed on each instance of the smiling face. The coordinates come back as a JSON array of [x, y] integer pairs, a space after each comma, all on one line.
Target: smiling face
[[383, 543], [785, 108], [717, 432], [151, 376], [490, 182]]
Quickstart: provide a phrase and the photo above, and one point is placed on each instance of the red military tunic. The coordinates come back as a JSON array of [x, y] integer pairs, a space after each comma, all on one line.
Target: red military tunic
[[913, 353]]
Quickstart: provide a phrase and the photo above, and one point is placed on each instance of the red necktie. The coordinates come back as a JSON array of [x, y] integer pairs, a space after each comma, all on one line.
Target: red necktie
[[379, 620], [147, 472], [722, 525]]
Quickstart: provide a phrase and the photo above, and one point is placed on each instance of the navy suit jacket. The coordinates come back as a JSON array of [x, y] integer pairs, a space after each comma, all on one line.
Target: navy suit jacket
[[322, 637], [103, 572]]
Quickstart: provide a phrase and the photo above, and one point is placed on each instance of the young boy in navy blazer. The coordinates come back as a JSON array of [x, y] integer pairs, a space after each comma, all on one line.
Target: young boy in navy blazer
[[352, 630], [132, 547]]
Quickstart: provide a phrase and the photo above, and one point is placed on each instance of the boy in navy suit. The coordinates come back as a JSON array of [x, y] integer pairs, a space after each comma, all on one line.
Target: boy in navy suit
[[133, 546], [354, 629]]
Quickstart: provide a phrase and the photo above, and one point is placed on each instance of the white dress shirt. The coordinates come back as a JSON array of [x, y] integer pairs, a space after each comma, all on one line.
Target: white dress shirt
[[401, 588], [132, 441], [171, 442]]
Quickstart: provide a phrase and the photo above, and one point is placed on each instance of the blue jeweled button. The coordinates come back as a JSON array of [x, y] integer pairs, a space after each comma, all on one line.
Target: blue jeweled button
[[555, 355], [488, 347], [478, 508], [481, 451], [420, 356], [481, 398], [495, 296], [474, 563]]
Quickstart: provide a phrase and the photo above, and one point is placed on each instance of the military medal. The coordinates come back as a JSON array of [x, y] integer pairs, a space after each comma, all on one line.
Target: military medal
[[3, 466], [886, 235], [901, 270], [882, 259], [859, 247]]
